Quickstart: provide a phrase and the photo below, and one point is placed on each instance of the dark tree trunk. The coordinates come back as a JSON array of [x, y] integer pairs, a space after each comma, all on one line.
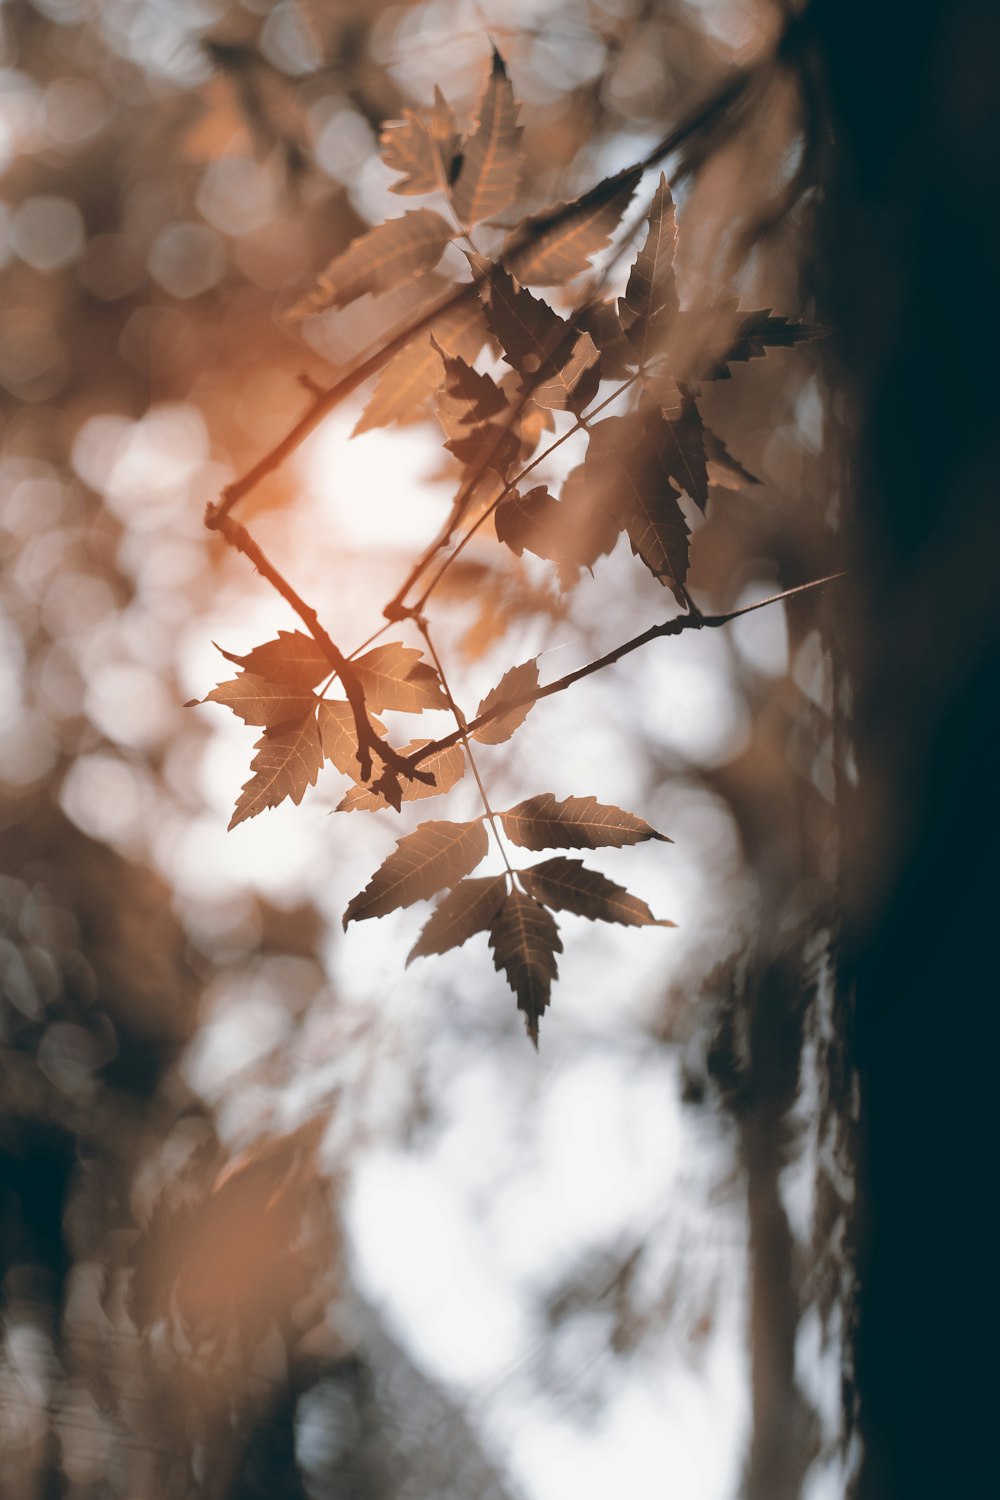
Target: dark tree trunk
[[910, 248]]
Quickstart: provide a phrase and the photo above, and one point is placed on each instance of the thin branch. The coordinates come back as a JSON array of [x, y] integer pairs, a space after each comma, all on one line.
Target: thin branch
[[676, 626], [368, 740], [733, 88]]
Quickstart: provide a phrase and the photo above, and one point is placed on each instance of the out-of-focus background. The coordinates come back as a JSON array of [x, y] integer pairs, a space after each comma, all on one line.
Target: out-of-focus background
[[279, 1216]]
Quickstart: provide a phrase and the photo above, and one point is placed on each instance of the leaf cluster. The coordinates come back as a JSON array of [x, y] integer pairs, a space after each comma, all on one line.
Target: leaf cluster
[[494, 361]]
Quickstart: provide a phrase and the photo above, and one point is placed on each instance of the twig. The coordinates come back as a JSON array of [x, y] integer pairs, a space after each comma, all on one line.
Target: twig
[[676, 626], [733, 88], [368, 740]]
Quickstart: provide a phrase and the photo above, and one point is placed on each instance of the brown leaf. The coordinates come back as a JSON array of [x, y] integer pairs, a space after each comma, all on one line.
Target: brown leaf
[[475, 415], [512, 685], [468, 909], [338, 735], [600, 320], [570, 384], [284, 766], [447, 767], [422, 147], [559, 365], [567, 885], [392, 679], [575, 823], [414, 374], [562, 241], [529, 522], [294, 659], [650, 305], [433, 856], [723, 469], [380, 259], [705, 341], [629, 460], [682, 448], [525, 941], [488, 178], [257, 701]]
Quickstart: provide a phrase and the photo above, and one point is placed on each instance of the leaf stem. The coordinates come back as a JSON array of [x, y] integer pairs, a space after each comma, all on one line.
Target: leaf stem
[[463, 736]]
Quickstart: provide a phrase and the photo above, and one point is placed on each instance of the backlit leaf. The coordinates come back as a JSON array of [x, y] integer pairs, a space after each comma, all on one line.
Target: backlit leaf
[[559, 365], [512, 685], [294, 659], [258, 701], [284, 766], [529, 522], [567, 885], [525, 941], [475, 415], [380, 259], [468, 909], [630, 460], [338, 735], [649, 305], [488, 178], [421, 147], [385, 674], [705, 341], [575, 823], [447, 767], [723, 469], [682, 449], [560, 243], [433, 856], [600, 320], [414, 373]]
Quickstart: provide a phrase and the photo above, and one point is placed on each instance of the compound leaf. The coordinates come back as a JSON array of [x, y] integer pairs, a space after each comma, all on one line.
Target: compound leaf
[[468, 909], [525, 941], [575, 823], [423, 862], [568, 885]]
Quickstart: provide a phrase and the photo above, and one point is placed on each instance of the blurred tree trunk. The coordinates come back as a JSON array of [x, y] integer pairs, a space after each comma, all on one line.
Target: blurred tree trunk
[[910, 250]]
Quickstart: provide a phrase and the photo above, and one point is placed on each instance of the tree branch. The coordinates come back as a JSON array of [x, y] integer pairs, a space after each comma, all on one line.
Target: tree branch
[[368, 740], [676, 626], [733, 88]]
